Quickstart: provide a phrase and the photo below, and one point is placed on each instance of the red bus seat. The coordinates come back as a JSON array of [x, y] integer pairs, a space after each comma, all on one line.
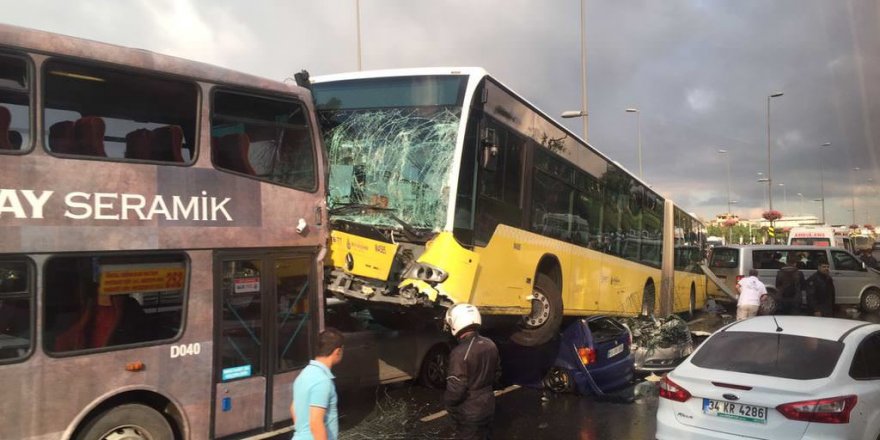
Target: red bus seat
[[168, 143], [231, 153], [62, 137], [139, 144], [106, 320], [5, 120], [90, 136]]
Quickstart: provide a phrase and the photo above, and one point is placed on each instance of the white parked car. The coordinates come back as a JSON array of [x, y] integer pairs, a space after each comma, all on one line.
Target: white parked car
[[782, 377]]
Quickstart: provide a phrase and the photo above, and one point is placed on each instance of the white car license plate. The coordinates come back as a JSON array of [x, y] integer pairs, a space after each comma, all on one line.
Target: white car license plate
[[615, 351], [737, 411]]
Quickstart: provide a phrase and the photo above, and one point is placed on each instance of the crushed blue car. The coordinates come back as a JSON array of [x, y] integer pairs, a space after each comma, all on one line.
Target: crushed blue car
[[592, 356]]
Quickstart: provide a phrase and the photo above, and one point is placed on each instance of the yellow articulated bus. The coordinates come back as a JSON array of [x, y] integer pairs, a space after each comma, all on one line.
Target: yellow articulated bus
[[162, 232], [447, 187]]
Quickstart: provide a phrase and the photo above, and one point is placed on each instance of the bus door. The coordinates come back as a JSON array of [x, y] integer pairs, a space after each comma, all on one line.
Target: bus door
[[264, 330]]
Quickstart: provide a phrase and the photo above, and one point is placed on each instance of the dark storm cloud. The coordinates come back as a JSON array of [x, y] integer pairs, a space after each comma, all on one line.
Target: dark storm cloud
[[699, 71]]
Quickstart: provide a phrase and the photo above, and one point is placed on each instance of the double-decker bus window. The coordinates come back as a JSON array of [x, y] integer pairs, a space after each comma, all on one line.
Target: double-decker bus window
[[294, 312], [16, 302], [96, 111], [242, 330], [268, 138], [100, 301], [15, 128]]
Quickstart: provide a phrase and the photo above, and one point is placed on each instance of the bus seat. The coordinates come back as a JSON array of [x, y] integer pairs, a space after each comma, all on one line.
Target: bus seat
[[90, 136], [62, 137], [74, 336], [139, 144], [106, 320], [5, 120], [231, 152], [168, 143]]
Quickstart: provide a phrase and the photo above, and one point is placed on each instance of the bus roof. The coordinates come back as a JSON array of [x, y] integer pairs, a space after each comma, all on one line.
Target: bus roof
[[52, 43], [478, 72]]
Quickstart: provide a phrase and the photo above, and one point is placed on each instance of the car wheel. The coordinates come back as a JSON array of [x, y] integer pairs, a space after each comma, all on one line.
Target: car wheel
[[559, 380], [130, 421], [649, 298], [542, 323], [871, 300], [434, 368]]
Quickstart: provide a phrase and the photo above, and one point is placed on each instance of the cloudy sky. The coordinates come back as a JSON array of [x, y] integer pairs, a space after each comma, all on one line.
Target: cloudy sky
[[700, 71]]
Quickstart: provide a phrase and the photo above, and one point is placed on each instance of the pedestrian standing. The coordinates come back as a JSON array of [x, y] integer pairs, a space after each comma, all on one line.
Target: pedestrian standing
[[820, 291], [314, 406], [867, 257], [472, 364], [790, 285], [750, 291]]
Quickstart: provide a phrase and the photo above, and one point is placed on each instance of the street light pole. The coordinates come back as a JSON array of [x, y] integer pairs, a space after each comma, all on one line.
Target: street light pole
[[582, 113], [769, 164], [822, 180], [727, 157], [784, 198], [639, 125], [855, 170], [585, 117], [357, 7], [801, 210]]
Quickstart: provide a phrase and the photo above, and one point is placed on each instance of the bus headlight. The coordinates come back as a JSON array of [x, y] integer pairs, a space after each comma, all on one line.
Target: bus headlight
[[426, 272]]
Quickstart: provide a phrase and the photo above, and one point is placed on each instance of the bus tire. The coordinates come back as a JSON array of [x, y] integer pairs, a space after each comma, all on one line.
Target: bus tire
[[432, 374], [542, 324], [129, 421], [870, 300], [649, 299]]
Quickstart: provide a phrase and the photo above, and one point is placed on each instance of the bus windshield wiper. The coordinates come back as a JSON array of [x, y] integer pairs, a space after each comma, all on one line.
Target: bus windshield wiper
[[408, 231]]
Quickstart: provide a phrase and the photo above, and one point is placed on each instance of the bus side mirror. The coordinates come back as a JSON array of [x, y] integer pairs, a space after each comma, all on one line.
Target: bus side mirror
[[489, 143]]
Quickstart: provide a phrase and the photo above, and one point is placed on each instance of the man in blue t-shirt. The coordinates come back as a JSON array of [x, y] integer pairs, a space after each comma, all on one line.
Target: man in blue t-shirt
[[313, 408]]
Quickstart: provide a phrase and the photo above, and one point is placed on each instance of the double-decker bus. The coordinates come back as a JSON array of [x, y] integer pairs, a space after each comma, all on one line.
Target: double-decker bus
[[448, 187], [162, 231]]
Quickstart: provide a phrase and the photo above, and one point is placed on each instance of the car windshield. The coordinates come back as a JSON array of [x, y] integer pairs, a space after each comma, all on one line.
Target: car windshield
[[391, 143], [770, 354]]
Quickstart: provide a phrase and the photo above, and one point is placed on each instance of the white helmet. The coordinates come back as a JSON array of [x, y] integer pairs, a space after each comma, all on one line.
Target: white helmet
[[461, 316]]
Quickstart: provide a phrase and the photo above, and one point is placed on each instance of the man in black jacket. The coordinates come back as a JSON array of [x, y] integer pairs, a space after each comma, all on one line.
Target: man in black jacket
[[472, 363], [820, 291], [790, 284]]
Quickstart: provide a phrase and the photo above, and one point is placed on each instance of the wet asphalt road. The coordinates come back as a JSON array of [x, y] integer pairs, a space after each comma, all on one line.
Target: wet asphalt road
[[396, 411]]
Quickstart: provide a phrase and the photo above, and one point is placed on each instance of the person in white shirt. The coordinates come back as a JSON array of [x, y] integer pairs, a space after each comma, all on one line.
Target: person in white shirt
[[750, 291]]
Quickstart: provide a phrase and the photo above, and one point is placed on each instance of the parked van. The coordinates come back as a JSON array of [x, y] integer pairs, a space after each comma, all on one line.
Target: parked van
[[853, 282]]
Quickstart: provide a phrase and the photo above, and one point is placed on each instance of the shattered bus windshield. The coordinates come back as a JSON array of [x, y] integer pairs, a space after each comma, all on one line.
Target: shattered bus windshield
[[391, 143]]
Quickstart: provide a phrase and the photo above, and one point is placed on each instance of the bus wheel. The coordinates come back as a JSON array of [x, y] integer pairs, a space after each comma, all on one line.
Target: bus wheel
[[434, 368], [871, 301], [131, 421], [542, 323], [648, 299], [692, 310]]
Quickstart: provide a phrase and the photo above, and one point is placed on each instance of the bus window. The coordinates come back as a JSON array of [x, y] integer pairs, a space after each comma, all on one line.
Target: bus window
[[15, 126], [121, 115], [265, 138], [105, 301], [16, 301]]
